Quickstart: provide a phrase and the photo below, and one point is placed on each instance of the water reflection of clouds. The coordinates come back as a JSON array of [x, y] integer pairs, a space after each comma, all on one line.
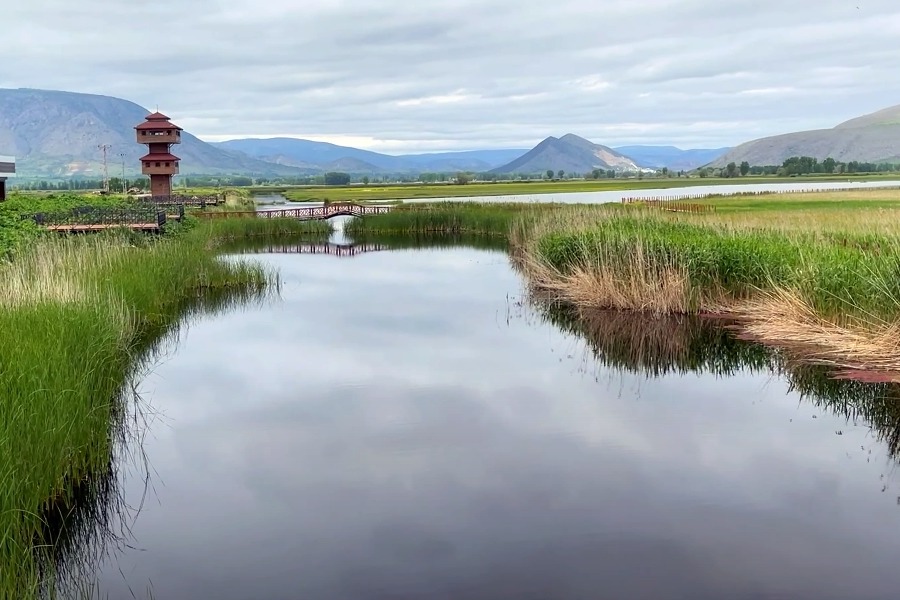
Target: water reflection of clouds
[[453, 455]]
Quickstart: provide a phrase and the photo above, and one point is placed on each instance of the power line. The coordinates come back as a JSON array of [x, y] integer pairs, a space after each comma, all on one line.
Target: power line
[[124, 184], [105, 147]]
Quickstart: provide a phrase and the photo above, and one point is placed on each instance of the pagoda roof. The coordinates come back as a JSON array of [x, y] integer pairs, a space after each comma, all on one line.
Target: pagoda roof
[[158, 125], [160, 156], [157, 120]]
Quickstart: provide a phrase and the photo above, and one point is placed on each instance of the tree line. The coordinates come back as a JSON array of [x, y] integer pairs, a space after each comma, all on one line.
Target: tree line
[[799, 165], [793, 166]]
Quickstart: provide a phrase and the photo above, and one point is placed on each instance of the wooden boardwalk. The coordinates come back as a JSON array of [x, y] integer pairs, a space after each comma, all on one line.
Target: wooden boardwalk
[[91, 219], [94, 227], [306, 213]]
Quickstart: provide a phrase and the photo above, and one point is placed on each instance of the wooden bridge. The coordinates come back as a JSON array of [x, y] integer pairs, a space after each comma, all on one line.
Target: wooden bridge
[[306, 213], [341, 250]]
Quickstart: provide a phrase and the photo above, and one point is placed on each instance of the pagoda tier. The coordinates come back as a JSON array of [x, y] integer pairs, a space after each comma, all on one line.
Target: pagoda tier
[[157, 129], [168, 156]]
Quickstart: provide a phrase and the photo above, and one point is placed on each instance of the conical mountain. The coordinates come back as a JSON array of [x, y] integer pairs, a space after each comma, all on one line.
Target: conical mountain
[[570, 153]]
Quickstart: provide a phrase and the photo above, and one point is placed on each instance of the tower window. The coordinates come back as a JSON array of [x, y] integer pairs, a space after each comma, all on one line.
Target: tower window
[[157, 164], [167, 164]]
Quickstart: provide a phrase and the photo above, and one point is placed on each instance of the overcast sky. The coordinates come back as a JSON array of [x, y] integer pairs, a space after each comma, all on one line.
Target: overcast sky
[[396, 76]]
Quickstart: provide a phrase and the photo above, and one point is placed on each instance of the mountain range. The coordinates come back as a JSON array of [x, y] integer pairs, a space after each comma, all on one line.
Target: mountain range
[[874, 137], [331, 157], [58, 134]]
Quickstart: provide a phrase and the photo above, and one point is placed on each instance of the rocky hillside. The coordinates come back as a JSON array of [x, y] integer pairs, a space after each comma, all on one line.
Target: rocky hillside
[[870, 138], [58, 134], [571, 154]]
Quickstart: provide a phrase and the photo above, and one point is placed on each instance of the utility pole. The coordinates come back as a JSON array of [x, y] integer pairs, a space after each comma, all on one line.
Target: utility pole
[[124, 184], [105, 147]]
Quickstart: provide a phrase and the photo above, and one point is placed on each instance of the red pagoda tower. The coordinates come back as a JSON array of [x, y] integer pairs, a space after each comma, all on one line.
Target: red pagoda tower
[[159, 162]]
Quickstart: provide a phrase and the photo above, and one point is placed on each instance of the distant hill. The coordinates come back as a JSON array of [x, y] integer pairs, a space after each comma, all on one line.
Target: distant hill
[[57, 134], [307, 153], [571, 154], [675, 159], [870, 138], [472, 160], [350, 165]]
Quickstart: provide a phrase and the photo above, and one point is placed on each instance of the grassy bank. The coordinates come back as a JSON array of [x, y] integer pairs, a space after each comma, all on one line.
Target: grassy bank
[[76, 316]]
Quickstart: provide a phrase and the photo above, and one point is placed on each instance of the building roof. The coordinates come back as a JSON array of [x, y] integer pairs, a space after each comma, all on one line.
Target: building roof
[[160, 156], [157, 120], [7, 166], [158, 125]]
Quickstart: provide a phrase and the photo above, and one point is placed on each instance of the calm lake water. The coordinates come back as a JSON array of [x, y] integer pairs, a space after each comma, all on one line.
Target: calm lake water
[[267, 201], [399, 424]]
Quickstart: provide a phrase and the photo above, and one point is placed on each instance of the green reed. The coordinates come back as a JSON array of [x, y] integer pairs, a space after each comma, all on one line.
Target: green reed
[[839, 274]]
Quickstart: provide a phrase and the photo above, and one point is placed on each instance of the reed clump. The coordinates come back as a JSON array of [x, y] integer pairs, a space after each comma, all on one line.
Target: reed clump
[[448, 218], [833, 290], [220, 231]]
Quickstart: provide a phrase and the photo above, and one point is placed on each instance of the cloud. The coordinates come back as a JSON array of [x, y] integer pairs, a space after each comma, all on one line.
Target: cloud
[[462, 74]]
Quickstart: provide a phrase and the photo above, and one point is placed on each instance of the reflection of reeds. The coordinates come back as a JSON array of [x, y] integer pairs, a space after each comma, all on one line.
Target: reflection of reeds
[[424, 240], [655, 345], [658, 345]]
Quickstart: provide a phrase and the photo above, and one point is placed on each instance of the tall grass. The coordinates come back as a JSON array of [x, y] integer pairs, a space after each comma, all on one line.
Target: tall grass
[[447, 218], [842, 276], [76, 315]]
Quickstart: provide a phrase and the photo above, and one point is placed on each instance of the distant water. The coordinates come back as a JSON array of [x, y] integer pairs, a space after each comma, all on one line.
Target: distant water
[[618, 195]]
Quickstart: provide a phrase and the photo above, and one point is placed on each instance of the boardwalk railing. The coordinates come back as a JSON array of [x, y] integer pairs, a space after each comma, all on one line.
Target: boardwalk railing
[[181, 200], [681, 207], [92, 218], [335, 209]]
